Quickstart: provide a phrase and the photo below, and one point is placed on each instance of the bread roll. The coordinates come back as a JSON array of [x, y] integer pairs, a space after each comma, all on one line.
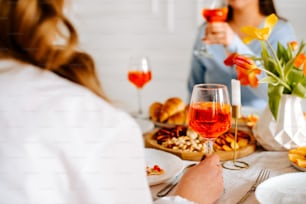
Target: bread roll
[[178, 118], [154, 111], [170, 107]]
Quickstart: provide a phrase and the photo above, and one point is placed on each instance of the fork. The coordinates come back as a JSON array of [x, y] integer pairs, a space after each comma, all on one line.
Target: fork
[[263, 175], [163, 192]]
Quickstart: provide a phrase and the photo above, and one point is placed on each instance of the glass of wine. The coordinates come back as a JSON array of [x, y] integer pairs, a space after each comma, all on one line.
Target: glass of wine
[[210, 112], [213, 11], [139, 74]]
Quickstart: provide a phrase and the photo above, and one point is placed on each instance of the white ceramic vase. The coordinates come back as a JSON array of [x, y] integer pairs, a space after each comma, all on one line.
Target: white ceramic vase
[[288, 131]]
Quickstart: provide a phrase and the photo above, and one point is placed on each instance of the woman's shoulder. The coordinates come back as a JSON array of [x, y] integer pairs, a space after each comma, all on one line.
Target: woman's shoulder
[[283, 31], [283, 26], [50, 92]]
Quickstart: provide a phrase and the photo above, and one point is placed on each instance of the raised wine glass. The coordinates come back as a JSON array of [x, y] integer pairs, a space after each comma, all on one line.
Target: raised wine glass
[[139, 74], [210, 112], [213, 11]]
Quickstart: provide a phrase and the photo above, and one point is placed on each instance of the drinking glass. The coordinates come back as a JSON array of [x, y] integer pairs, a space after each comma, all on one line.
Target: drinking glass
[[213, 11], [210, 112], [139, 74]]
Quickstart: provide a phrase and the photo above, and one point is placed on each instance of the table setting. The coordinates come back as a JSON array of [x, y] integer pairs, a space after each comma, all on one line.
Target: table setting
[[237, 183], [243, 185], [264, 162]]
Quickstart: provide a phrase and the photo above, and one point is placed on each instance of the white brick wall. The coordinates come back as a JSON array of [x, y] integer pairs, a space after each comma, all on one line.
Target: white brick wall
[[164, 30]]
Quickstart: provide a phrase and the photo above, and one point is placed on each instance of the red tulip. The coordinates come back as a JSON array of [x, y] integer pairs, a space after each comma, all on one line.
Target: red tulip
[[246, 69], [299, 60], [293, 45]]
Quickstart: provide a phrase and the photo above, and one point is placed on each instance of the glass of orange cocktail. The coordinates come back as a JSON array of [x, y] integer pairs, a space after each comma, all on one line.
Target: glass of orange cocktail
[[210, 112], [213, 11], [139, 74]]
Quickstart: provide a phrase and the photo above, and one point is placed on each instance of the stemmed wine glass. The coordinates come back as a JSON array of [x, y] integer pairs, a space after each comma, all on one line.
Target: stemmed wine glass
[[213, 11], [139, 74], [210, 112]]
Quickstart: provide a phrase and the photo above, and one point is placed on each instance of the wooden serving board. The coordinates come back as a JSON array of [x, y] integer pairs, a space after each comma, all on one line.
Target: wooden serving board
[[150, 142]]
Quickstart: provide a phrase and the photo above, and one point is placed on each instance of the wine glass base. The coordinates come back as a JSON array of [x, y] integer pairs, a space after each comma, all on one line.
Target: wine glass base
[[235, 165]]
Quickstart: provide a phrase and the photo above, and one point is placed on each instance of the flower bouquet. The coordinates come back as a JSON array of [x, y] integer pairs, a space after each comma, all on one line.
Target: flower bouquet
[[284, 70]]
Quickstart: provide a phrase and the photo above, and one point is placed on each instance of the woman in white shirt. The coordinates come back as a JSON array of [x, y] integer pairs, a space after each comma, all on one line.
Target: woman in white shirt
[[61, 141]]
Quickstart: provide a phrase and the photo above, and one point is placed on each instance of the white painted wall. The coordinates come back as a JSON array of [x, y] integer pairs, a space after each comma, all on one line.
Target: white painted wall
[[164, 30]]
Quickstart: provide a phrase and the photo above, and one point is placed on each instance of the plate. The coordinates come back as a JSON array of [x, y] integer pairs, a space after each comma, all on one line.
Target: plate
[[284, 189], [170, 163], [151, 142], [297, 167], [145, 125], [297, 156]]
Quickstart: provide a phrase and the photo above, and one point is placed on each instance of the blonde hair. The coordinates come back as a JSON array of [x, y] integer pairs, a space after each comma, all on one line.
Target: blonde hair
[[28, 29]]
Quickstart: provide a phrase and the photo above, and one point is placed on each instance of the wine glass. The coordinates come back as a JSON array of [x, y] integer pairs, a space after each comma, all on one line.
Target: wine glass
[[213, 11], [139, 74], [210, 112]]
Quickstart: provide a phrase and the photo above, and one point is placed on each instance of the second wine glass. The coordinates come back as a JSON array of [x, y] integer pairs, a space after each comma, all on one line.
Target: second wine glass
[[213, 11], [210, 112], [139, 74]]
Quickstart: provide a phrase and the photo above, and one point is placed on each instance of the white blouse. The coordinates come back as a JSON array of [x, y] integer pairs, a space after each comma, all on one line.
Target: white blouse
[[60, 143]]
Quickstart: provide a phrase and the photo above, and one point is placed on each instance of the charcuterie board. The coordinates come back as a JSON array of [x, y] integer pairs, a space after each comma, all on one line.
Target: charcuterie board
[[152, 142]]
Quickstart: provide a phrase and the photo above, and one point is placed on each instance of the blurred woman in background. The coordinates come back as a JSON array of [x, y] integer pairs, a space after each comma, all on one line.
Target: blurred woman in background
[[224, 38], [61, 140]]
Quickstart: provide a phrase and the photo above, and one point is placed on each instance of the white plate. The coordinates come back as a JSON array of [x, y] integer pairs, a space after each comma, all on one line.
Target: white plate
[[297, 167], [145, 125], [284, 189], [169, 162]]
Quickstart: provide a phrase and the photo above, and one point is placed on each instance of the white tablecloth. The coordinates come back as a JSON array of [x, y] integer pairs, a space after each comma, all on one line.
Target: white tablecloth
[[237, 182]]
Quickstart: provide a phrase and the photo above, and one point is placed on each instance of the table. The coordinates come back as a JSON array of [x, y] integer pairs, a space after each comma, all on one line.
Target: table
[[237, 182]]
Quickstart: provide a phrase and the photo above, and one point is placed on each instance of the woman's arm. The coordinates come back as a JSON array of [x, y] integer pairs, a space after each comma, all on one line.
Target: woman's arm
[[197, 71]]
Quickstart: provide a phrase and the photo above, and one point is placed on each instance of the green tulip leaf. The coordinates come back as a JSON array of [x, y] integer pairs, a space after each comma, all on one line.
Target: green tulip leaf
[[288, 67], [303, 81], [265, 57], [299, 90], [269, 80], [275, 94], [296, 76], [282, 53]]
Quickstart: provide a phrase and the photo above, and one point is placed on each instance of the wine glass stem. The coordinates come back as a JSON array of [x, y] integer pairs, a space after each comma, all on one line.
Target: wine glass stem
[[209, 146], [139, 102]]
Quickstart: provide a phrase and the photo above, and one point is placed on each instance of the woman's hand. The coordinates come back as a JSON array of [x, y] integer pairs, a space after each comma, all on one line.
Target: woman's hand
[[218, 33], [202, 183]]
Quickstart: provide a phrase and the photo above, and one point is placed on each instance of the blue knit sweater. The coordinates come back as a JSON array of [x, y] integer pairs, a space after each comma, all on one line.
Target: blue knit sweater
[[212, 69]]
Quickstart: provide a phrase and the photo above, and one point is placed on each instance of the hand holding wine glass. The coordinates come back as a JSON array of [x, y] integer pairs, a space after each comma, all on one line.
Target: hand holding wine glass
[[139, 74], [213, 11], [210, 112]]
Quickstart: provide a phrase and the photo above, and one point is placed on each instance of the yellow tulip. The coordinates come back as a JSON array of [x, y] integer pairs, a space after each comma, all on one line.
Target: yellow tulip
[[270, 22], [254, 33]]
